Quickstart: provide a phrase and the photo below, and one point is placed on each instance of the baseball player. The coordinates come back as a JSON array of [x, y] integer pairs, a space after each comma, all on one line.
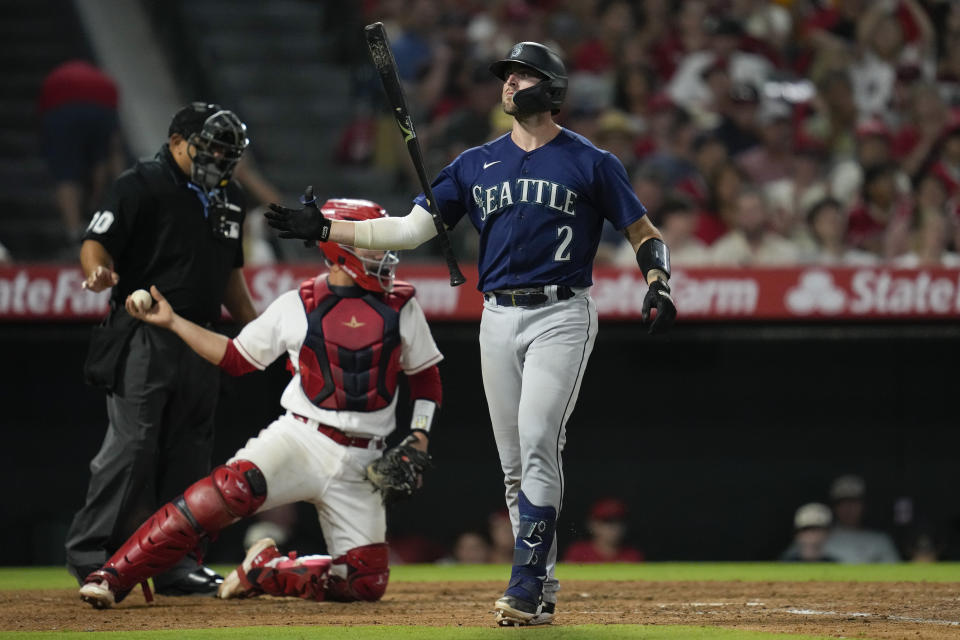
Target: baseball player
[[348, 335], [538, 196]]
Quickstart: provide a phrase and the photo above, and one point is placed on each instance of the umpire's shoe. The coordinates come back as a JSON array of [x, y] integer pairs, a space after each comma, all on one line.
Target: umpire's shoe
[[202, 581]]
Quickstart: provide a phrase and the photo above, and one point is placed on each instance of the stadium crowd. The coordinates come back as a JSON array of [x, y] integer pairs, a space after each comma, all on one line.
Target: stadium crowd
[[756, 132]]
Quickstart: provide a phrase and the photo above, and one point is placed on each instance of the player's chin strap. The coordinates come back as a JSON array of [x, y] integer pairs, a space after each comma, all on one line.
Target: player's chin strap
[[653, 254]]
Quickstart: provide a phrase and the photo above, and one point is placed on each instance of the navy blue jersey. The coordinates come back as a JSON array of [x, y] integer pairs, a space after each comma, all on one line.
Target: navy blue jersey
[[539, 213]]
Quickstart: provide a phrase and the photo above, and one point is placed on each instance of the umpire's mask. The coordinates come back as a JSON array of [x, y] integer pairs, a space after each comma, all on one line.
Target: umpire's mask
[[219, 145]]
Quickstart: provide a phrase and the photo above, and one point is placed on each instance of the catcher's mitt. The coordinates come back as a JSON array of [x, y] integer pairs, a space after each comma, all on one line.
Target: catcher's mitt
[[396, 473]]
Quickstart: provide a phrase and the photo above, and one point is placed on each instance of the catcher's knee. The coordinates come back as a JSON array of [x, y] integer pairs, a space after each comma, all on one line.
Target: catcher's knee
[[367, 574], [230, 492]]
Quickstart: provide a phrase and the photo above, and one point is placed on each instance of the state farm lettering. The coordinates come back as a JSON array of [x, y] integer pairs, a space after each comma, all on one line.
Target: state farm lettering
[[53, 292], [48, 293], [872, 292], [904, 295]]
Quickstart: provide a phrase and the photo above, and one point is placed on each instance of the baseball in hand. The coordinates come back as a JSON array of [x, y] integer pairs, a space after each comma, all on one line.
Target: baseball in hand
[[142, 299]]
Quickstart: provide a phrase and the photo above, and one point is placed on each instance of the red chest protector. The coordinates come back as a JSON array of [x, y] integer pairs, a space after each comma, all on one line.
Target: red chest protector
[[351, 355]]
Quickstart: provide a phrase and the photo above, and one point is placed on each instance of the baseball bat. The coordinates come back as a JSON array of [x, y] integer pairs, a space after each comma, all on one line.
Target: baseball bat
[[386, 66]]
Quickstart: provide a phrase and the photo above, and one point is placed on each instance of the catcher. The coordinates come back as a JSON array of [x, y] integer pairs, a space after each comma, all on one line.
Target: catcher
[[348, 334]]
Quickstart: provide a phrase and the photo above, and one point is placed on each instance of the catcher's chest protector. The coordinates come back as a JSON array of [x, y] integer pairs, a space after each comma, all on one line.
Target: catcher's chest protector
[[351, 355]]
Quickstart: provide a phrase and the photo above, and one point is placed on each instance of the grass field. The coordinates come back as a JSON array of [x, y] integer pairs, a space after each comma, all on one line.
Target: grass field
[[14, 580], [57, 577]]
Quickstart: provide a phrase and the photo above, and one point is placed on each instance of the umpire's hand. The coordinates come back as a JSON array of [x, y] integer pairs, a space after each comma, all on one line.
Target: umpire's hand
[[100, 278], [658, 297], [306, 223]]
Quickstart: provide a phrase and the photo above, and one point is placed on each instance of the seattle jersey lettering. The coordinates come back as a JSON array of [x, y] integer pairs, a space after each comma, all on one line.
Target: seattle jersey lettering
[[524, 190]]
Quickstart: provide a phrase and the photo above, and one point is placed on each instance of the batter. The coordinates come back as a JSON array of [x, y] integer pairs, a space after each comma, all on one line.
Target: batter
[[538, 196]]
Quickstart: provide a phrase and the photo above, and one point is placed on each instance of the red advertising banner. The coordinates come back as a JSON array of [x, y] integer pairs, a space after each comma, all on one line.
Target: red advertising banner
[[53, 292]]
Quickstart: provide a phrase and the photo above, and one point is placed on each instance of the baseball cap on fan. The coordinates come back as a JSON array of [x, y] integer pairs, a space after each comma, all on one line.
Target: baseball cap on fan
[[812, 515], [849, 487], [608, 509]]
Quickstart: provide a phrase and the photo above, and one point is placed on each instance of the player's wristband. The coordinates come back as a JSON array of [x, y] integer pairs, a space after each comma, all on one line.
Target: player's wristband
[[653, 254], [425, 412]]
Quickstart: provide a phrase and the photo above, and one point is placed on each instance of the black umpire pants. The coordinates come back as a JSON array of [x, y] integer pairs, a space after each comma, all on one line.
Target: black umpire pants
[[158, 442]]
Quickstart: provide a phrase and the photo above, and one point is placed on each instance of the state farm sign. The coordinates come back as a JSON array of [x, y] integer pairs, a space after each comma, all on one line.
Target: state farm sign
[[876, 292], [48, 293], [45, 292]]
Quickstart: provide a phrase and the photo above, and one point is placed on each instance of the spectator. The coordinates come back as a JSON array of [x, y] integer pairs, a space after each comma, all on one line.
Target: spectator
[[738, 119], [774, 158], [827, 222], [687, 87], [614, 24], [874, 146], [674, 157], [502, 540], [849, 542], [751, 242], [669, 47], [607, 528], [616, 132], [634, 88], [792, 197], [947, 165], [81, 139], [724, 186], [880, 221], [811, 525], [833, 120], [889, 34], [931, 231], [709, 154], [470, 547], [916, 141], [677, 221]]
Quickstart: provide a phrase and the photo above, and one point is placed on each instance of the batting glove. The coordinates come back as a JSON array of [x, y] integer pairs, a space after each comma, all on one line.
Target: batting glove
[[306, 223], [658, 297]]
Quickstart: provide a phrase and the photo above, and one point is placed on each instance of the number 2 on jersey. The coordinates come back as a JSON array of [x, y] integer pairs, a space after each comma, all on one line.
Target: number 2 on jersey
[[565, 233]]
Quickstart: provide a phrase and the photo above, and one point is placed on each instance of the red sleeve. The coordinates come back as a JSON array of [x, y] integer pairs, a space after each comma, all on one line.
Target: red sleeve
[[234, 363], [425, 385]]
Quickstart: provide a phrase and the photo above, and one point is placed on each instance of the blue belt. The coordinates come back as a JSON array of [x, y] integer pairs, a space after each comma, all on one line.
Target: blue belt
[[526, 296]]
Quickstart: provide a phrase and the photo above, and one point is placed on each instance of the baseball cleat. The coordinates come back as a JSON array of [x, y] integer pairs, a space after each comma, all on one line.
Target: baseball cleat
[[98, 595], [260, 553], [514, 612], [546, 614]]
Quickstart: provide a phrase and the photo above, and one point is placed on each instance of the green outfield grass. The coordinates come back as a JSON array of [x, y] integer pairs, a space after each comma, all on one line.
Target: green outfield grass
[[583, 632], [57, 577]]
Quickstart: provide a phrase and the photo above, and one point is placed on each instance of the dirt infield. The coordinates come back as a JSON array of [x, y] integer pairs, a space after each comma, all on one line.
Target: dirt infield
[[849, 609]]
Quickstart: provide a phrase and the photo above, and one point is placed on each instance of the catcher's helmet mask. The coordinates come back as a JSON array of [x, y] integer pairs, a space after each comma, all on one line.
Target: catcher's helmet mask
[[547, 95], [371, 273], [218, 147]]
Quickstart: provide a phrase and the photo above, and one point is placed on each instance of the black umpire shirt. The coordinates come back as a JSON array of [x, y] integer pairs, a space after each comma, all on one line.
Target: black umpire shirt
[[161, 230]]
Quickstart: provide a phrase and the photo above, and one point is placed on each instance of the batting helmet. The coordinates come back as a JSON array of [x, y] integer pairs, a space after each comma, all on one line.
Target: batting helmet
[[372, 273], [547, 95]]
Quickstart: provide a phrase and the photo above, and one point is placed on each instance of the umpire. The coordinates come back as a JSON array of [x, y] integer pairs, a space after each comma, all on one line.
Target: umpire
[[175, 222]]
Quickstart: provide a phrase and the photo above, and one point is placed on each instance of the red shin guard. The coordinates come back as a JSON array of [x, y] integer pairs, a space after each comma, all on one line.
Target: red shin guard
[[367, 574], [228, 494], [289, 576]]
